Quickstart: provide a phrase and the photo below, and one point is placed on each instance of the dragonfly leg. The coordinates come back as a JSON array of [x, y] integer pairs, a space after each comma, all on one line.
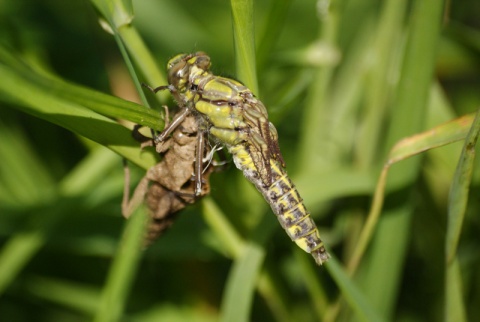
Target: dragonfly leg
[[157, 89], [145, 140], [179, 118], [126, 189], [129, 205], [167, 115], [170, 88], [208, 159], [199, 162]]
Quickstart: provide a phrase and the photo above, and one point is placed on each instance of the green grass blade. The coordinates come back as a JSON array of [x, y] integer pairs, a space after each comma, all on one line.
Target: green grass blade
[[272, 30], [234, 246], [240, 288], [449, 132], [96, 101], [230, 239], [82, 178], [26, 242], [358, 302], [390, 243], [75, 114], [318, 295], [75, 296], [23, 176], [123, 269], [276, 301], [454, 302], [458, 197], [145, 62], [384, 48], [316, 113], [440, 135], [244, 39], [117, 13]]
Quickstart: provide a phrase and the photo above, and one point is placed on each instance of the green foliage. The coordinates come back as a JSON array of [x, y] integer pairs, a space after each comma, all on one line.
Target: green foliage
[[366, 96]]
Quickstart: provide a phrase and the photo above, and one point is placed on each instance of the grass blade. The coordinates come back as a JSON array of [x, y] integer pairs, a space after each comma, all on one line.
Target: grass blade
[[459, 192], [458, 199], [123, 269], [352, 294], [244, 39], [454, 303], [243, 277]]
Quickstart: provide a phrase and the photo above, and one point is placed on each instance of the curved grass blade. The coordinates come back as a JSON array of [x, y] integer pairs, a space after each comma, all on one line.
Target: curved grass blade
[[75, 112], [96, 101], [443, 134]]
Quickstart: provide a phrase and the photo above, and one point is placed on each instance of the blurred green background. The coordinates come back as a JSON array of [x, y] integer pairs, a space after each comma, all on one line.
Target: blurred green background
[[343, 81]]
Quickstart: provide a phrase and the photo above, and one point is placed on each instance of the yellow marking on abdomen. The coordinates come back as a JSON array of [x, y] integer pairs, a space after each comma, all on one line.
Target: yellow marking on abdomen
[[286, 203]]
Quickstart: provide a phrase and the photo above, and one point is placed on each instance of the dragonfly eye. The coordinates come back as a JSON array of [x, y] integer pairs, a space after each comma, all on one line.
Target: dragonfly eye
[[178, 73], [202, 61], [175, 60]]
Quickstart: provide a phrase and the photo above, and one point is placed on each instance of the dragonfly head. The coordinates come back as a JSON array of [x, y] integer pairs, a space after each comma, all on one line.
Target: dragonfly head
[[182, 67]]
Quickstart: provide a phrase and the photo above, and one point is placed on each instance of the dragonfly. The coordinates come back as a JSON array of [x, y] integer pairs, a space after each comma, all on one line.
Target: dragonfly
[[181, 178], [229, 112]]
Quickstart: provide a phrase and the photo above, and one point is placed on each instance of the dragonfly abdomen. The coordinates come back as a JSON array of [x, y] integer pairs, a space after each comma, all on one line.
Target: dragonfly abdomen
[[292, 214], [285, 202]]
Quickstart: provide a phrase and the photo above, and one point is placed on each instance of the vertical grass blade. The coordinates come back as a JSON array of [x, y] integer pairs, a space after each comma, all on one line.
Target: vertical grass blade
[[240, 287], [244, 38], [385, 46], [242, 280], [117, 18], [364, 310], [458, 197], [454, 303], [117, 13], [316, 114], [458, 200], [273, 28], [144, 60], [390, 244], [123, 269]]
